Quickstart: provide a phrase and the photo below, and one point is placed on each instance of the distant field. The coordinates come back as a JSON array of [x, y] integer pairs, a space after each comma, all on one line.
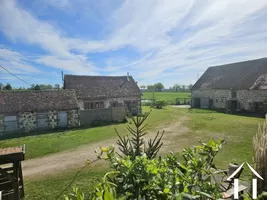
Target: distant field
[[170, 97]]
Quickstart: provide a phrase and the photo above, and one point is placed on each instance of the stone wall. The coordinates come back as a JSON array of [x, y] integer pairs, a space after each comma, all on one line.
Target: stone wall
[[220, 97], [111, 114], [73, 118], [27, 121]]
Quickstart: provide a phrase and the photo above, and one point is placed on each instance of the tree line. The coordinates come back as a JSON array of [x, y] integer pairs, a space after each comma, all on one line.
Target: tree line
[[32, 87], [159, 87]]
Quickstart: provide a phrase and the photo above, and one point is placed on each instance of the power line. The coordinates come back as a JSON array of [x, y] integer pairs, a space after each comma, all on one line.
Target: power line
[[15, 75]]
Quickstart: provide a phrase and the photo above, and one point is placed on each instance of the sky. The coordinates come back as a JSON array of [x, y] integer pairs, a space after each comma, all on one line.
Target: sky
[[168, 41]]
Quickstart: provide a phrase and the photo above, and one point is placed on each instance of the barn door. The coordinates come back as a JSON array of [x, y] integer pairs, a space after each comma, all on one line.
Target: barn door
[[63, 119], [11, 123], [42, 120]]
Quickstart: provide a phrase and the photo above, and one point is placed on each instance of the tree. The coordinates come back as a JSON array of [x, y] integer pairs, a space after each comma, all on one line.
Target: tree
[[143, 87], [57, 86], [150, 87], [176, 87], [46, 87], [159, 87], [190, 86], [8, 87], [1, 86], [37, 87], [183, 88]]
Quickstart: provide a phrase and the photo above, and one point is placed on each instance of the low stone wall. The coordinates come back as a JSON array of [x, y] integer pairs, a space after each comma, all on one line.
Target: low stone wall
[[27, 121], [220, 97], [87, 117]]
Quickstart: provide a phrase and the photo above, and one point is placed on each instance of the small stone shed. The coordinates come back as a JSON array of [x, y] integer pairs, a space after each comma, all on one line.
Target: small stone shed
[[94, 92], [24, 111], [235, 87]]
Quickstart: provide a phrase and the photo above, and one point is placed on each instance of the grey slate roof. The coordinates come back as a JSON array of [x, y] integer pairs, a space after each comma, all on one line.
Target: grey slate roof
[[37, 101], [101, 87], [250, 75]]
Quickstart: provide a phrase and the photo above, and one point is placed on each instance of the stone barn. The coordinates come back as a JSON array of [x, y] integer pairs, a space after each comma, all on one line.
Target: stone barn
[[234, 87], [24, 111], [94, 92]]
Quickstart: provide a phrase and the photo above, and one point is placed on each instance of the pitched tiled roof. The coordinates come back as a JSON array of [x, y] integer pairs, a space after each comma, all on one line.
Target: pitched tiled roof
[[37, 101], [101, 87], [250, 74]]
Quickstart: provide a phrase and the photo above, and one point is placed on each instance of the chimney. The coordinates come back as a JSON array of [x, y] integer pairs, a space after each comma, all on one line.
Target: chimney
[[128, 79]]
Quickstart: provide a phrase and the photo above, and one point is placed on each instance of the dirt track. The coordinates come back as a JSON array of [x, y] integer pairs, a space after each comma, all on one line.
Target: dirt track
[[57, 162]]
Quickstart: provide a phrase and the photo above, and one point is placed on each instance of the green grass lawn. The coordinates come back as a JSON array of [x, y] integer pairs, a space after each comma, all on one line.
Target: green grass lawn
[[170, 97], [40, 145], [201, 124], [49, 188]]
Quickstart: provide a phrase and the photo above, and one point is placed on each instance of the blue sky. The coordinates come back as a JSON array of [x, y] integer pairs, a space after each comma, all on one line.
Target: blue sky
[[169, 41]]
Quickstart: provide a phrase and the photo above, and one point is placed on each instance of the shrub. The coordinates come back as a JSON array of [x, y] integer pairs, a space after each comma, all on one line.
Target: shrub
[[159, 104]]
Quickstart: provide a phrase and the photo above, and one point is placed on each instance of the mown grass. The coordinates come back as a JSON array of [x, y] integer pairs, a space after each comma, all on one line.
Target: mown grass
[[40, 145], [201, 124], [170, 97], [49, 188]]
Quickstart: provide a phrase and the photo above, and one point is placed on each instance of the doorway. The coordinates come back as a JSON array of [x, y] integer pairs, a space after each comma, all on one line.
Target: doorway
[[63, 119]]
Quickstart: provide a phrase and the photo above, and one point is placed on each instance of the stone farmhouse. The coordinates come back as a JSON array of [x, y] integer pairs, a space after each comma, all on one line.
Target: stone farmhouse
[[235, 87], [25, 111], [95, 92]]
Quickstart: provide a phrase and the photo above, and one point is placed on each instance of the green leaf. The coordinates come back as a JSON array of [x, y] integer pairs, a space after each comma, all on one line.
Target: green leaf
[[166, 190], [108, 195]]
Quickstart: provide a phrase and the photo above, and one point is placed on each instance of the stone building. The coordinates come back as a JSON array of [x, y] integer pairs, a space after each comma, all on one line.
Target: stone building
[[94, 92], [24, 111], [235, 87]]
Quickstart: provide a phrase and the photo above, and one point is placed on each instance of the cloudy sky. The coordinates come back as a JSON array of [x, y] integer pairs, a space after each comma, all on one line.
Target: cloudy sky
[[172, 41]]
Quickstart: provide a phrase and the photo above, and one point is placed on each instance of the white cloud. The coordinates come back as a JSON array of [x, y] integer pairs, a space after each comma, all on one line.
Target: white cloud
[[185, 36]]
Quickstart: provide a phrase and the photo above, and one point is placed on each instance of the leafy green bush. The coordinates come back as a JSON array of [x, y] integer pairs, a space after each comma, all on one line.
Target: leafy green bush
[[159, 104]]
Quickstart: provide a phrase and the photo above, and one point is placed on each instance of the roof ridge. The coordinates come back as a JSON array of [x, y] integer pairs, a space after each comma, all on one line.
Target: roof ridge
[[96, 76], [238, 62], [36, 91]]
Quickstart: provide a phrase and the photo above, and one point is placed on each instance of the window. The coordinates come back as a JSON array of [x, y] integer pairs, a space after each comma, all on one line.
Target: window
[[11, 123], [93, 105], [233, 94], [114, 104], [217, 100]]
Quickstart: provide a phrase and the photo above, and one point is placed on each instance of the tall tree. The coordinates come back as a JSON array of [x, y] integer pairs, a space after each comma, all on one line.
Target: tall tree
[[1, 86], [8, 87], [159, 87]]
